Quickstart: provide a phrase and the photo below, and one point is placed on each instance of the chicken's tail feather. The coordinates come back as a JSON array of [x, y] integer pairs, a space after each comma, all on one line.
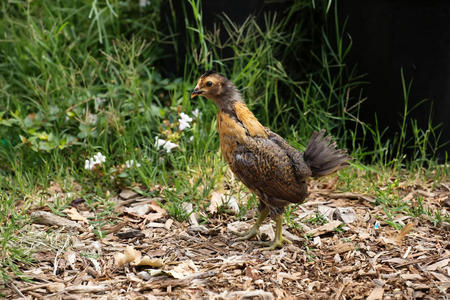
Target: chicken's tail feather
[[322, 156]]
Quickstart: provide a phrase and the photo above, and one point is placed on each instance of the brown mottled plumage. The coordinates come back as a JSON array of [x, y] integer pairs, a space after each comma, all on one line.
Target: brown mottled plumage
[[275, 171]]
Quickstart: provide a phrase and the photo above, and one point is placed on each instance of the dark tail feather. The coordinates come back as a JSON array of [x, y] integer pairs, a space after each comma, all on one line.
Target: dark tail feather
[[322, 156]]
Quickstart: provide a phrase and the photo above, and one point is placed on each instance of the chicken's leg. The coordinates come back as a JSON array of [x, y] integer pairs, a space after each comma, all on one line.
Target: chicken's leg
[[263, 213], [279, 239]]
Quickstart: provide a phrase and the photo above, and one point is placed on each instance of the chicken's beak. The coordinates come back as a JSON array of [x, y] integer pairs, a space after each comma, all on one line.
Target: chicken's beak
[[197, 91]]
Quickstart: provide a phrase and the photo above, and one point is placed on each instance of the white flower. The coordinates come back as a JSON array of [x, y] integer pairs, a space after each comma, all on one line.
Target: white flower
[[159, 142], [131, 163], [185, 117], [92, 118], [97, 159], [185, 121], [195, 112], [191, 138], [167, 145], [184, 125]]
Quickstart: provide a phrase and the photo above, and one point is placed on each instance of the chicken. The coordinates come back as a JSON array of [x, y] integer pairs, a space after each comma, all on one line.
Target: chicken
[[275, 171]]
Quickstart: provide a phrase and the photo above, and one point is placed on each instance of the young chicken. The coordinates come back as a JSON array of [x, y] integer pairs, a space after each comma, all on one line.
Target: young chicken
[[271, 168]]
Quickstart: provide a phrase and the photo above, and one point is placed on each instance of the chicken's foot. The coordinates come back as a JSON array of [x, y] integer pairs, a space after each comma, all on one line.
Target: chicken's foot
[[255, 228]]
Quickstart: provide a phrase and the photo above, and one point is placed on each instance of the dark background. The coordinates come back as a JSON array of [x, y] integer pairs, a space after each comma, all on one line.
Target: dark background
[[388, 36], [410, 34]]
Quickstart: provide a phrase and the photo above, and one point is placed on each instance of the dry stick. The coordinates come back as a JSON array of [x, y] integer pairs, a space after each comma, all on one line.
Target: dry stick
[[15, 289], [37, 286], [55, 262]]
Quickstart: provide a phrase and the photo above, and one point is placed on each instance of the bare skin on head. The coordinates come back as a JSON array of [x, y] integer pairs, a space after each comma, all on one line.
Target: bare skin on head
[[271, 168]]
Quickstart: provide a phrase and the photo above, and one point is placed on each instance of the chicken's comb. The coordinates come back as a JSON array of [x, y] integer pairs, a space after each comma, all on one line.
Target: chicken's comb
[[210, 72]]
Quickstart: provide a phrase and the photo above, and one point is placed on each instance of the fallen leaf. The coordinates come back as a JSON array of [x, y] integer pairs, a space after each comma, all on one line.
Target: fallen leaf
[[150, 262], [411, 277], [127, 194], [440, 277], [74, 215], [128, 256], [267, 230], [154, 206], [55, 287], [345, 214], [189, 209], [405, 230], [139, 210], [184, 269], [324, 228], [151, 217], [70, 257], [168, 224], [439, 264], [215, 202], [376, 294], [233, 205]]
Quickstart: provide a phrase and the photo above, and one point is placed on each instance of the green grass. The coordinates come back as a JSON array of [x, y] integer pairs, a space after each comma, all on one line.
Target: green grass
[[82, 77]]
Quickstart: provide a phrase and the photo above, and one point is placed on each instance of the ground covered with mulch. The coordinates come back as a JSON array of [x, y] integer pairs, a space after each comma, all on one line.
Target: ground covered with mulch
[[342, 248]]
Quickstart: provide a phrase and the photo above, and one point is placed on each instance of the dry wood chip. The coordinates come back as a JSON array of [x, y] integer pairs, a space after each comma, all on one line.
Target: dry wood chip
[[74, 215], [130, 234], [376, 294], [345, 214], [343, 247], [47, 218], [155, 225], [154, 206], [164, 283], [86, 288], [440, 277], [168, 224], [324, 228], [139, 210], [439, 264], [114, 229], [426, 194], [128, 194], [407, 252], [267, 230], [337, 258], [390, 275], [346, 269], [395, 260], [419, 286], [411, 276], [258, 294], [70, 257], [283, 275], [55, 287], [350, 195]]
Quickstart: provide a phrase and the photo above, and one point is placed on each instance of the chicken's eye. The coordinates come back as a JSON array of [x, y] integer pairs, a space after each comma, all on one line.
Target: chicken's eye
[[209, 83]]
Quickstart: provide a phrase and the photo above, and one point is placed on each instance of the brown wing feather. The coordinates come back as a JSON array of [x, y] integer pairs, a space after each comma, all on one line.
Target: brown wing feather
[[302, 170], [263, 166]]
